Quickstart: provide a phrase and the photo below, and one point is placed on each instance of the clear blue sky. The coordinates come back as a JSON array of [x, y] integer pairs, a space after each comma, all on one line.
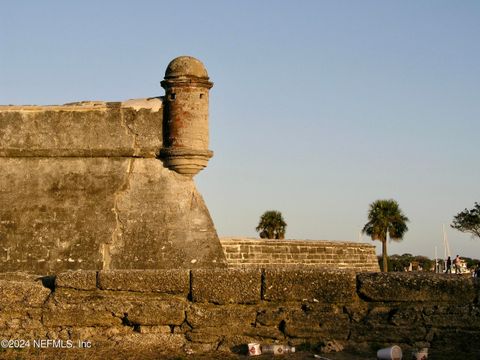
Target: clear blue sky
[[318, 109]]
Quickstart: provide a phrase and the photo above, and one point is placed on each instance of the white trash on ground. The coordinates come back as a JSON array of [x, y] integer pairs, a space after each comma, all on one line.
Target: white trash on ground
[[275, 349], [391, 353]]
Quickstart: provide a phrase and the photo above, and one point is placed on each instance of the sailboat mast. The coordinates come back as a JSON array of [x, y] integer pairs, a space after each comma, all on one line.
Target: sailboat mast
[[445, 242]]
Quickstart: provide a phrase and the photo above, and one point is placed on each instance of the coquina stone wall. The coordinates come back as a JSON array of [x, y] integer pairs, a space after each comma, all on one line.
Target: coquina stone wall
[[330, 254], [108, 185], [81, 188], [184, 311]]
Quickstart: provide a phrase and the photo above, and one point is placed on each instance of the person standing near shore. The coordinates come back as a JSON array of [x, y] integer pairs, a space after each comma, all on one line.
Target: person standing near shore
[[457, 263], [449, 266]]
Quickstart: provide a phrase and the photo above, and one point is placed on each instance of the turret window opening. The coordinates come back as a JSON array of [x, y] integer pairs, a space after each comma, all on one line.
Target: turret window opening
[[172, 96]]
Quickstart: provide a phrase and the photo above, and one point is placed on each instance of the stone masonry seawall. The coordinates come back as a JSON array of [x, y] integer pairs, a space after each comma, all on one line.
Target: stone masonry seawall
[[332, 254], [203, 310]]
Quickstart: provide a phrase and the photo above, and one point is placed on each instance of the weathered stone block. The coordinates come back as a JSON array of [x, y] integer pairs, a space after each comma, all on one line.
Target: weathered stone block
[[452, 316], [158, 313], [204, 335], [307, 284], [319, 320], [387, 333], [329, 330], [217, 332], [22, 293], [409, 316], [416, 287], [356, 311], [156, 329], [120, 304], [225, 286], [264, 332], [64, 296], [79, 315], [81, 280], [175, 281], [161, 343], [99, 335], [464, 344], [236, 316], [272, 316], [18, 325], [103, 308], [200, 348], [18, 318], [231, 249]]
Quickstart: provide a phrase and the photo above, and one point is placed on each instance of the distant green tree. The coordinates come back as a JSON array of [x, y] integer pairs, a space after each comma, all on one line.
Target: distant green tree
[[399, 262], [425, 263], [402, 262], [471, 263], [468, 221], [272, 225], [383, 216]]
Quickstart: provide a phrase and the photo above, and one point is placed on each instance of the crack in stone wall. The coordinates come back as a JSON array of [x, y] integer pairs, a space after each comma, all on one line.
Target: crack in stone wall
[[118, 230], [119, 225], [129, 131]]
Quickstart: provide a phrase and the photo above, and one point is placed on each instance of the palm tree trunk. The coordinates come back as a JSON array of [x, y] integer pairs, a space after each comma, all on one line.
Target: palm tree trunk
[[384, 255]]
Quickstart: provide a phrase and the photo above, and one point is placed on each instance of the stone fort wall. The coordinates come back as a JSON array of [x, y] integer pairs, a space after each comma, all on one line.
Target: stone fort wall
[[330, 254], [185, 311], [109, 185], [82, 188]]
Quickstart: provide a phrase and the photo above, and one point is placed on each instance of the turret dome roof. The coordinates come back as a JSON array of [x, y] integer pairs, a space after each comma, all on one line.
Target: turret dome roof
[[186, 66]]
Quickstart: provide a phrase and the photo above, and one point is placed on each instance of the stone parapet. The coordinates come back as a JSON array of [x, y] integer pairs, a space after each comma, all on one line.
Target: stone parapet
[[330, 254], [422, 287], [83, 129]]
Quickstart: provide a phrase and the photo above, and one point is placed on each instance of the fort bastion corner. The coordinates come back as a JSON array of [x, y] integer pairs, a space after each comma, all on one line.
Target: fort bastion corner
[[108, 185]]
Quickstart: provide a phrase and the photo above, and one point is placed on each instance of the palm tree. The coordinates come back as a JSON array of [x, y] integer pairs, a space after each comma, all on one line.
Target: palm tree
[[272, 225], [385, 216]]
